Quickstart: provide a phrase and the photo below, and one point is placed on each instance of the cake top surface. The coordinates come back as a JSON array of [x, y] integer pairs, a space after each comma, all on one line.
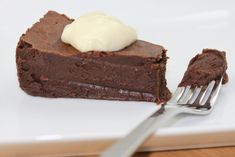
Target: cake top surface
[[45, 36], [210, 65]]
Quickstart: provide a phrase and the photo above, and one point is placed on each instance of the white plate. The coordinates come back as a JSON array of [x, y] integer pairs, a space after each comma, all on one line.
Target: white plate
[[33, 125]]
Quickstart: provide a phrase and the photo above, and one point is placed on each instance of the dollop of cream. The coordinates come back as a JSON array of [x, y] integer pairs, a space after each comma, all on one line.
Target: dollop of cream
[[98, 32]]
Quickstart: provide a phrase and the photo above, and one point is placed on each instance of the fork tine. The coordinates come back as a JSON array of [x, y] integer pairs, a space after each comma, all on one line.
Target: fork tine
[[200, 95], [207, 93], [204, 96], [177, 94], [214, 94], [184, 95], [196, 92], [187, 95]]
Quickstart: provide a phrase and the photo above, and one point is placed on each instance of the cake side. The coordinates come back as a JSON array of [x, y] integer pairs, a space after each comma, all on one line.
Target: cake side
[[165, 94], [51, 75]]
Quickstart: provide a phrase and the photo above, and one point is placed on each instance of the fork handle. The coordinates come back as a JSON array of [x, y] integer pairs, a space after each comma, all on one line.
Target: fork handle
[[129, 144]]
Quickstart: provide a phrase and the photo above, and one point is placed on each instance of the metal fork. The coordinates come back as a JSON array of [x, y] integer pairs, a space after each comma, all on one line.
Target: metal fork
[[197, 101]]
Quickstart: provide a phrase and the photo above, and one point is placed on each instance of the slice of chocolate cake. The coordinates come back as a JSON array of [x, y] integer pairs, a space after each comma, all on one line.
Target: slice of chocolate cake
[[210, 65], [50, 68]]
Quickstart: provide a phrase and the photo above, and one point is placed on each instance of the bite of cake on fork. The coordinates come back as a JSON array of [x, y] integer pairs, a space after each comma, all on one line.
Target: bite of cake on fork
[[196, 94]]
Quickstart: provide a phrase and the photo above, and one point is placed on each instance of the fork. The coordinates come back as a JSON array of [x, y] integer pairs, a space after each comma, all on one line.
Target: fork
[[190, 100]]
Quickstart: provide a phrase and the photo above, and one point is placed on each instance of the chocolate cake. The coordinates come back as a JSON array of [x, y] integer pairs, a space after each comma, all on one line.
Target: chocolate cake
[[50, 68], [210, 65]]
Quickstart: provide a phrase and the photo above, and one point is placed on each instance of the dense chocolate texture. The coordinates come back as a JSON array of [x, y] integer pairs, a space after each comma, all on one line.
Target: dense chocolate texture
[[50, 68], [210, 65]]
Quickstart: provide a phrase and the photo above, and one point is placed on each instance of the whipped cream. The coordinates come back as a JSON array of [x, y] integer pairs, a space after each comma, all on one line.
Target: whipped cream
[[98, 32]]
